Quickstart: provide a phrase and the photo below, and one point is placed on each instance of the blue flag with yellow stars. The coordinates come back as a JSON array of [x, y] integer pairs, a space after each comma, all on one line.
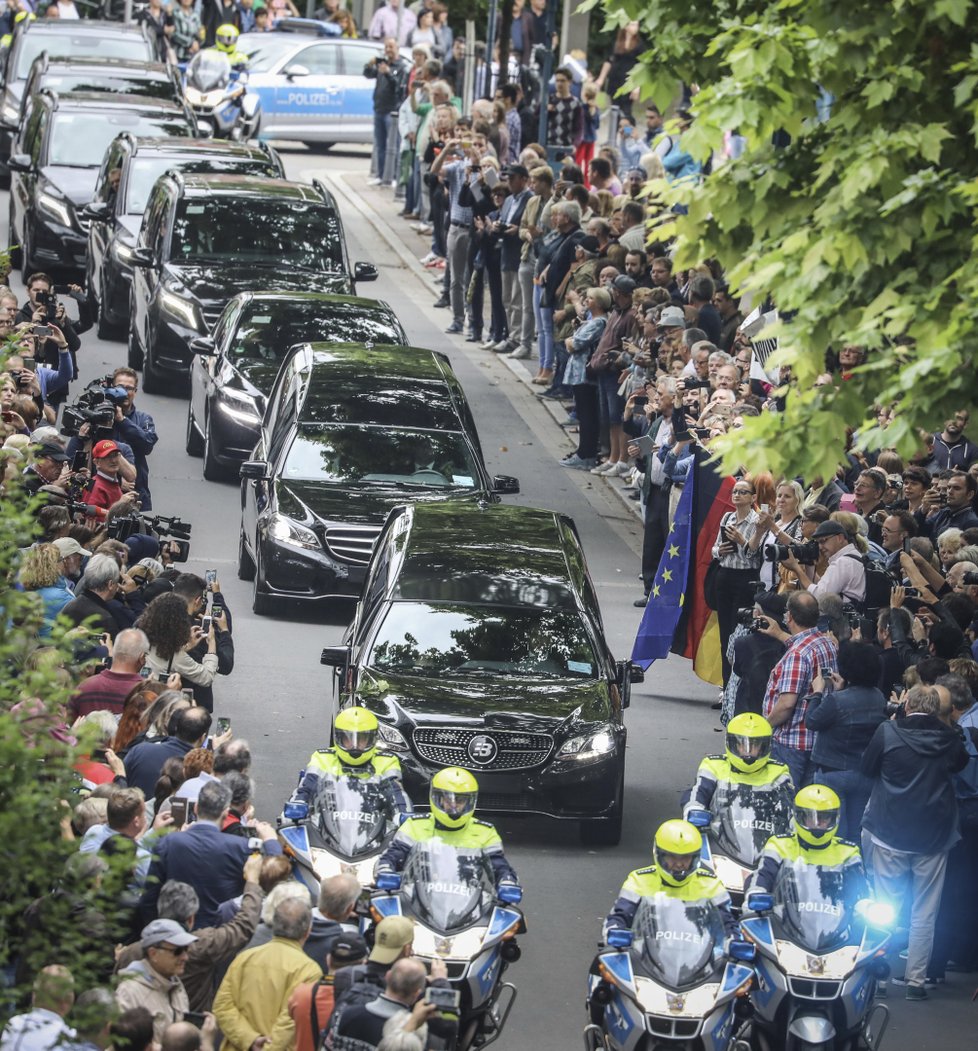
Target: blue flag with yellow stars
[[665, 605]]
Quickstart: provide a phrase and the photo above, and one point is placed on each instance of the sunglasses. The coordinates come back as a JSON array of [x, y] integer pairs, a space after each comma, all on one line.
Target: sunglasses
[[176, 950]]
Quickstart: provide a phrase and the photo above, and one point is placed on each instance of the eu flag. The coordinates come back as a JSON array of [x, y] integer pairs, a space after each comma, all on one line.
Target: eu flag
[[665, 605]]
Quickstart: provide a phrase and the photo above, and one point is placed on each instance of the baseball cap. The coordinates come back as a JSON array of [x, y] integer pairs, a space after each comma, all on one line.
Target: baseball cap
[[589, 244], [160, 931], [104, 448], [50, 451], [623, 283], [829, 528], [348, 948], [672, 317], [773, 604], [393, 933], [517, 169], [68, 545]]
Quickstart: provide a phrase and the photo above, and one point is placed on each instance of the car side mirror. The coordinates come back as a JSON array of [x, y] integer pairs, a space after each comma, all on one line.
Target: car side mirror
[[364, 272], [636, 673], [19, 162], [335, 656], [97, 211], [296, 70], [203, 345], [142, 257], [505, 485], [257, 469], [625, 671]]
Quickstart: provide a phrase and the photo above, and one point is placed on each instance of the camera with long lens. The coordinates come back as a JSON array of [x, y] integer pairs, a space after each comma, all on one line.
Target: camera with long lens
[[695, 384], [746, 618], [95, 406], [805, 554], [171, 531], [853, 617]]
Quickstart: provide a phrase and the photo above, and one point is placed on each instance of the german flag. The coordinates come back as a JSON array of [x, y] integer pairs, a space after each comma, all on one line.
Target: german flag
[[698, 633]]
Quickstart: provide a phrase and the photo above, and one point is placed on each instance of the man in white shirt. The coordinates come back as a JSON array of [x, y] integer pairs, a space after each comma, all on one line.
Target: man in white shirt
[[845, 574], [43, 1026]]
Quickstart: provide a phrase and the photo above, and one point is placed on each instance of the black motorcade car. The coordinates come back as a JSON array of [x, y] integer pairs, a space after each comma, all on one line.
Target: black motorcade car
[[478, 643], [113, 76], [55, 165], [350, 431], [127, 176], [205, 238], [57, 39], [234, 369]]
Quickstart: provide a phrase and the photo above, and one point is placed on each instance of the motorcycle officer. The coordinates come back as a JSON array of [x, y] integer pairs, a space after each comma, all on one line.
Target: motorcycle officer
[[747, 762], [815, 842], [226, 42], [453, 796], [676, 872], [354, 754]]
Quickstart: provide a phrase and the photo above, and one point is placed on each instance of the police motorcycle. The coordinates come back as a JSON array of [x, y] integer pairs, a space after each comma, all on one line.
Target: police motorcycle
[[347, 828], [742, 819], [459, 917], [818, 965], [671, 982], [219, 97]]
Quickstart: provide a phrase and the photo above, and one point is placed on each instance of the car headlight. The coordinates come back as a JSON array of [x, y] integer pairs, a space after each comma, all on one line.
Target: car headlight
[[11, 113], [55, 207], [122, 252], [391, 739], [588, 748], [239, 405], [180, 309], [288, 532]]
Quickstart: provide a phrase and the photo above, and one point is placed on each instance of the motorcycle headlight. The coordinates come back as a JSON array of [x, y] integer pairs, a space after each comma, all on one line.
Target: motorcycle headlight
[[240, 405], [55, 207], [192, 95], [181, 310], [288, 532], [391, 739], [588, 748]]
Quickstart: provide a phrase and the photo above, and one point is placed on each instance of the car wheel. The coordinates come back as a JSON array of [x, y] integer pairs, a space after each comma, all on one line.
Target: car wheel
[[246, 568], [106, 329], [261, 604], [213, 471], [194, 444], [16, 253], [134, 356], [606, 831], [320, 147]]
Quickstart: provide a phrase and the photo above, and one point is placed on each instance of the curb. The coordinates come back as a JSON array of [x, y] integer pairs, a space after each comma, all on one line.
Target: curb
[[357, 198]]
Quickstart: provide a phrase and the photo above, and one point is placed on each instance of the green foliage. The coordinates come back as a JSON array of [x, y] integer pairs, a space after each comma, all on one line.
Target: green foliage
[[863, 228]]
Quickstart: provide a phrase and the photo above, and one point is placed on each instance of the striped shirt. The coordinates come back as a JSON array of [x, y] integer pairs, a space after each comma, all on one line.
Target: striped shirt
[[742, 557], [807, 651]]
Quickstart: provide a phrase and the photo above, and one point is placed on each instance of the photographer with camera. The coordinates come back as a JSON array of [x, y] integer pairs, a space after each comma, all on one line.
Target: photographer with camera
[[194, 592], [956, 506], [756, 653], [845, 573], [136, 429], [45, 314], [106, 488]]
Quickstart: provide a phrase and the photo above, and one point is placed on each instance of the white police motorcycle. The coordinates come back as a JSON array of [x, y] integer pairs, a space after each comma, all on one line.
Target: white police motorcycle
[[458, 917], [741, 820], [219, 97], [350, 824], [670, 982], [818, 964]]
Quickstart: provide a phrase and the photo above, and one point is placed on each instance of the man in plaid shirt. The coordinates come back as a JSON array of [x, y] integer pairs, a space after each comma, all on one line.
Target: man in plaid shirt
[[790, 683]]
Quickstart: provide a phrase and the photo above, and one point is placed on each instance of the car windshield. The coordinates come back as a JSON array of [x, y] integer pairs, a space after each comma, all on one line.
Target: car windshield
[[79, 140], [160, 88], [65, 44], [144, 171], [289, 233], [383, 456], [264, 50], [270, 329], [483, 640]]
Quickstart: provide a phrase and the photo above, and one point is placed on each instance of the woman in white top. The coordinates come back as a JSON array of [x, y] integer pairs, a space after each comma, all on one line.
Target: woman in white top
[[783, 527], [171, 633]]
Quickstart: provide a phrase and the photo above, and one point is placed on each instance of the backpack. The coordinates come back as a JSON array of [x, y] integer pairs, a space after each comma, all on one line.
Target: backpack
[[364, 989], [879, 583]]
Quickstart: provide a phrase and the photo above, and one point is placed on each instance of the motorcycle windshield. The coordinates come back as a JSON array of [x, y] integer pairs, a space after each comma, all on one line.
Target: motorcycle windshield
[[353, 816], [447, 887], [208, 70], [810, 907], [746, 816], [679, 943]]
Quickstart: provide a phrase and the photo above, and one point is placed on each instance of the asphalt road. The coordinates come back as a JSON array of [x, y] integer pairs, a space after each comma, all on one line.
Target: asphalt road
[[280, 699]]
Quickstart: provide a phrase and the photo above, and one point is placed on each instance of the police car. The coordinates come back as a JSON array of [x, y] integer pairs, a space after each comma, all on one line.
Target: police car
[[312, 88]]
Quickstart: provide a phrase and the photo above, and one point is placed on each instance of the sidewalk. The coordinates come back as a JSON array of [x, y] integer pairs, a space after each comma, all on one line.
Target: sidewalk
[[378, 207]]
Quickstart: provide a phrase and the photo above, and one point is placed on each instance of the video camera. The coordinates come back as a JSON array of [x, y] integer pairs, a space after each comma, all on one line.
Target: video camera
[[172, 531], [95, 406], [805, 554]]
